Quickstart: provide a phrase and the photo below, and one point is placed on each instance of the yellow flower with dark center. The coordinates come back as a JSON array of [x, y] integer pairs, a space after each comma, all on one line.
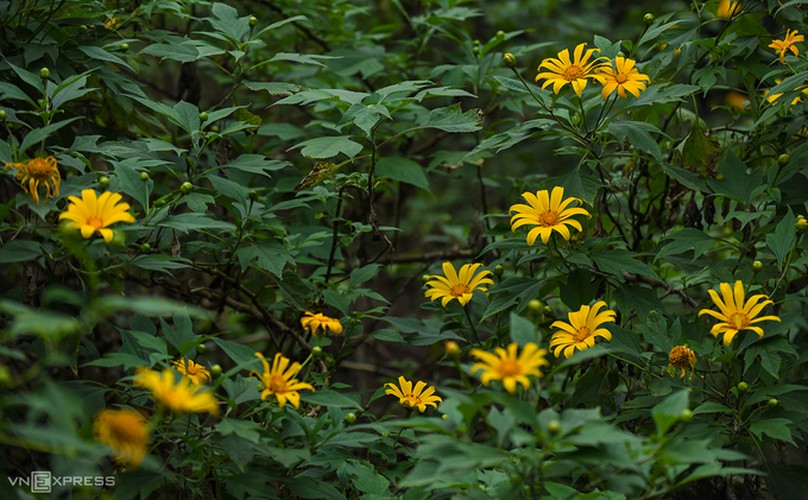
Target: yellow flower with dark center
[[179, 396], [787, 44], [548, 212], [575, 71], [735, 313], [279, 381], [314, 322], [504, 365], [125, 431], [680, 358], [93, 214], [624, 76], [727, 9], [197, 373], [457, 285], [582, 330], [418, 397], [38, 171]]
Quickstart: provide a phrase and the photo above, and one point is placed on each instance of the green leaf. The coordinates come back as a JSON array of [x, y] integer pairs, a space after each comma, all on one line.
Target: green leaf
[[686, 240], [245, 429], [523, 331], [782, 239], [244, 356], [736, 182], [40, 134], [618, 261], [194, 221], [777, 428], [579, 289], [668, 412], [19, 251], [510, 292], [329, 147], [638, 134], [453, 119], [402, 169], [267, 256], [256, 164], [328, 397], [99, 54]]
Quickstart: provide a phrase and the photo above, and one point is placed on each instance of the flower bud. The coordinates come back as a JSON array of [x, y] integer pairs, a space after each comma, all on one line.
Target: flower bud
[[535, 306], [648, 18], [500, 35], [444, 417], [103, 182], [2, 114], [686, 415], [498, 270], [201, 348], [509, 60], [548, 310], [124, 47], [742, 386], [350, 418], [425, 277], [801, 224], [44, 73], [145, 247], [253, 20], [677, 52], [186, 187], [757, 265], [783, 159], [316, 351], [553, 426], [216, 370], [773, 402], [144, 176], [203, 116], [452, 348], [254, 195]]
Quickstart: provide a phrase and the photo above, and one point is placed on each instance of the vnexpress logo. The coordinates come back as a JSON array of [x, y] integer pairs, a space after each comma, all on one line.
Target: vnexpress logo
[[43, 481]]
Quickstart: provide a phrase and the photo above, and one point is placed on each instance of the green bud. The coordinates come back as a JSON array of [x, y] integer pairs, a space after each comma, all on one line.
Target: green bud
[[553, 426], [103, 182], [203, 116], [145, 247], [535, 306], [773, 402], [476, 49], [216, 370], [548, 310], [742, 386], [214, 128], [444, 417], [425, 277], [783, 159], [686, 415], [316, 351], [44, 73], [5, 376], [254, 195], [648, 18], [144, 176], [186, 187], [498, 270], [801, 224], [509, 60], [253, 20], [350, 418], [757, 265], [500, 35], [124, 47], [2, 114], [201, 348]]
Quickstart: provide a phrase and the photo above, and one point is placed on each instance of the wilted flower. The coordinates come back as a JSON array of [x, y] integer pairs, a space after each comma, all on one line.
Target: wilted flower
[[38, 171], [680, 358], [736, 314]]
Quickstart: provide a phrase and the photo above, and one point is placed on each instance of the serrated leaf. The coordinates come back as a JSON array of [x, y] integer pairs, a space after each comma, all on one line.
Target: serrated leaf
[[618, 261], [638, 134], [402, 169], [328, 147], [783, 237], [669, 410], [19, 251], [453, 119]]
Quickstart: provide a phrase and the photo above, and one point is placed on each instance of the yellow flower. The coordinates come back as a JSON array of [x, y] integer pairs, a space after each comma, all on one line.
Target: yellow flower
[[419, 396], [548, 212], [737, 100], [197, 373], [623, 77], [562, 71], [680, 358], [454, 285], [38, 171], [181, 396], [313, 322], [772, 99], [727, 9], [279, 381], [509, 368], [582, 330], [126, 432], [786, 44], [93, 214], [736, 314], [112, 23]]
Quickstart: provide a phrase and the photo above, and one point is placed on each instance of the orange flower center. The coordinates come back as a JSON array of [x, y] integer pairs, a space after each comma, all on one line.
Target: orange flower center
[[126, 429], [680, 356], [39, 169], [459, 290], [621, 78], [95, 222], [548, 218], [583, 333], [509, 368], [277, 384], [574, 72], [411, 400], [739, 320]]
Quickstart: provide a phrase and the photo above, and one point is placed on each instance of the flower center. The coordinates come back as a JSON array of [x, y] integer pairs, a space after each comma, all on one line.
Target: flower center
[[583, 333], [509, 368], [40, 169], [621, 78], [411, 400], [459, 290], [277, 384], [574, 72], [95, 222], [739, 320], [548, 218], [126, 430]]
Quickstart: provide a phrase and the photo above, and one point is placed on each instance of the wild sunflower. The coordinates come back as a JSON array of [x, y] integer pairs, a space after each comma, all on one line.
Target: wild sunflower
[[582, 330], [35, 172], [548, 212], [126, 432], [279, 381], [314, 322], [93, 214], [727, 9], [772, 98], [179, 396], [504, 365], [408, 396], [624, 76], [562, 71], [736, 314], [680, 358], [457, 285], [787, 44], [197, 373]]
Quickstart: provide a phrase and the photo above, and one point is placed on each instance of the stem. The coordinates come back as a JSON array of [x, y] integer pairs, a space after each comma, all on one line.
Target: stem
[[471, 323]]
